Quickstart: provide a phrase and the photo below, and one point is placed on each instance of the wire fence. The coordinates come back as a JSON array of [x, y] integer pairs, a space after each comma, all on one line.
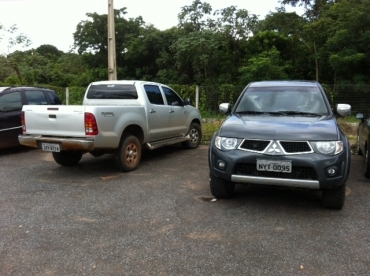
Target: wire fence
[[208, 98]]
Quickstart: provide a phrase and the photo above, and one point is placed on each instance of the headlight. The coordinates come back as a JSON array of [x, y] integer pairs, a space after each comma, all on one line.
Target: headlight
[[224, 143], [329, 148]]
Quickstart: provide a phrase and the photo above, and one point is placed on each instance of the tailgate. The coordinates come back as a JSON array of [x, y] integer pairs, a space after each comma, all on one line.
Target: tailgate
[[55, 120]]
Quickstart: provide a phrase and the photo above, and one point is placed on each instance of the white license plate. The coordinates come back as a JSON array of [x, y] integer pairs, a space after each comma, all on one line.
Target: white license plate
[[50, 147], [274, 166]]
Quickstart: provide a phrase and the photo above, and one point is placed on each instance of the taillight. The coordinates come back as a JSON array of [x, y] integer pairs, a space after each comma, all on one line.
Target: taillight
[[23, 122], [91, 127]]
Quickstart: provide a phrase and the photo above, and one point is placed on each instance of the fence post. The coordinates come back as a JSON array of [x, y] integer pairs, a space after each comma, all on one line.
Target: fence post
[[197, 96], [67, 96]]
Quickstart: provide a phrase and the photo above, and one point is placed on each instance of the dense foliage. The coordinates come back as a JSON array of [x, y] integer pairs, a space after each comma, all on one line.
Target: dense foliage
[[329, 42]]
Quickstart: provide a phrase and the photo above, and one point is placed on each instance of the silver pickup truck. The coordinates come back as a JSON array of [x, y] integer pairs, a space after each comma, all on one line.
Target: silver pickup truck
[[117, 117]]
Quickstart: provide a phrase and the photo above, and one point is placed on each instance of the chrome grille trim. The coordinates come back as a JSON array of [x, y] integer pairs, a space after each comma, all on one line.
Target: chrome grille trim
[[288, 147]]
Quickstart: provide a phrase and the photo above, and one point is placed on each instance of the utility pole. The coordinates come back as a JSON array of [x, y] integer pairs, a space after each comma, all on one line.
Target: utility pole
[[112, 67]]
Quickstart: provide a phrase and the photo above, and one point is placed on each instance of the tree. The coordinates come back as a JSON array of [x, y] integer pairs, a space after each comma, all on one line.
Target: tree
[[313, 35], [347, 47], [198, 55], [91, 38], [191, 18], [16, 40], [266, 66]]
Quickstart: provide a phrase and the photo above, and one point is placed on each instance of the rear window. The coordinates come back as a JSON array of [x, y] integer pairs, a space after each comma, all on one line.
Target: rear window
[[35, 97], [54, 98], [112, 91]]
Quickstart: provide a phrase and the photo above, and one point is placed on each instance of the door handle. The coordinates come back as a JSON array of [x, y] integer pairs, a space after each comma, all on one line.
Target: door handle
[[152, 111], [172, 111]]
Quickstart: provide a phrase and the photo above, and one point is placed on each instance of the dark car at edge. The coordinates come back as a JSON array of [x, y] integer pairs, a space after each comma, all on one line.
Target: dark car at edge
[[12, 100], [281, 133], [363, 139]]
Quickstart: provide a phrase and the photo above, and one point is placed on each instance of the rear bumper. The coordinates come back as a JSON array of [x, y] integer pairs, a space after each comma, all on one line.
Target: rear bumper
[[80, 144]]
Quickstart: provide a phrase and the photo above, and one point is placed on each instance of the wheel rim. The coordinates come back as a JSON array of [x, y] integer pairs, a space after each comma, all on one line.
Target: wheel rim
[[194, 136], [131, 153]]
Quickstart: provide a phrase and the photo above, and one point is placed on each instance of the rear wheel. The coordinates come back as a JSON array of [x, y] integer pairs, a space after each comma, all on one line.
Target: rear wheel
[[195, 133], [221, 188], [128, 154], [67, 158], [334, 198]]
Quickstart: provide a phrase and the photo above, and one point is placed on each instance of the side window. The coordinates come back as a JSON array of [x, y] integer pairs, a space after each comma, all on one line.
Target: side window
[[53, 98], [154, 94], [11, 102], [36, 97], [172, 97]]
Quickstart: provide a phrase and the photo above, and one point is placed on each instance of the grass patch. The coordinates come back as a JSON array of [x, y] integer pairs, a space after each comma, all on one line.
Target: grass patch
[[209, 127], [348, 119]]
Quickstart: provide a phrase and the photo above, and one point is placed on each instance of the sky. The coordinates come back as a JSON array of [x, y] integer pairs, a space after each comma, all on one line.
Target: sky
[[53, 22]]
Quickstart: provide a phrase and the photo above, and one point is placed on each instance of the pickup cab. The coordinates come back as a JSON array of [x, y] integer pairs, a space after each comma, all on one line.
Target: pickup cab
[[116, 117]]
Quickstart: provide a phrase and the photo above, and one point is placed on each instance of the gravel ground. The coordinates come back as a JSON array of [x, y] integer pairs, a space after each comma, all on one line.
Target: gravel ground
[[161, 220]]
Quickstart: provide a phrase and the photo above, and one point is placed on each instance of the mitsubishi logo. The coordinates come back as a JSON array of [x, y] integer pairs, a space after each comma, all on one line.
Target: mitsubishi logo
[[274, 149]]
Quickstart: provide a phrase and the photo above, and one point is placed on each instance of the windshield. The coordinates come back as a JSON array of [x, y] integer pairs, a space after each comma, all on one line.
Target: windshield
[[282, 101]]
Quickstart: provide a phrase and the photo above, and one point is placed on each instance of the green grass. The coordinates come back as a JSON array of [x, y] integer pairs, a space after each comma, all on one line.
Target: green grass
[[209, 127], [348, 119]]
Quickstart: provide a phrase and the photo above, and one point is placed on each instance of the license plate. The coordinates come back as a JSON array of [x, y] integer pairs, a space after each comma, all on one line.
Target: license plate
[[274, 166], [50, 147]]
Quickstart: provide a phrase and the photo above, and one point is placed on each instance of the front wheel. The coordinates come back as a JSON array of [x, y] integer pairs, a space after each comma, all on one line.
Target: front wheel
[[128, 155], [221, 188], [195, 133], [334, 198], [67, 158]]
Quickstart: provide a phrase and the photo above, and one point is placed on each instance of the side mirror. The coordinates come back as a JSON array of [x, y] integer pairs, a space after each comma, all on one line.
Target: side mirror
[[360, 116], [187, 101], [224, 108], [343, 109]]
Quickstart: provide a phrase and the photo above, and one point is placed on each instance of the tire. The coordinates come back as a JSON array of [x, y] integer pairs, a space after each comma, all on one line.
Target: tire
[[67, 158], [221, 188], [367, 162], [128, 155], [195, 133], [334, 198]]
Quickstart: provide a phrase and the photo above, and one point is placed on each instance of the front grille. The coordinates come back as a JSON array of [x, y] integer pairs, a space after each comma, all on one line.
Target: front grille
[[288, 146], [305, 173], [295, 147], [254, 145]]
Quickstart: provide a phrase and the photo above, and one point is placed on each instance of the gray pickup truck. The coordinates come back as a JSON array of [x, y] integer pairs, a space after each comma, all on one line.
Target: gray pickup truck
[[282, 133], [117, 117]]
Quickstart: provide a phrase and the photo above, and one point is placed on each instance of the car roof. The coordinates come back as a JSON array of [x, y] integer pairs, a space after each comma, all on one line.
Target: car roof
[[5, 89], [284, 83], [132, 82]]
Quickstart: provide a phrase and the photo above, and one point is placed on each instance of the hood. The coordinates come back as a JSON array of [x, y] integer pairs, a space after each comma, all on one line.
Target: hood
[[267, 127]]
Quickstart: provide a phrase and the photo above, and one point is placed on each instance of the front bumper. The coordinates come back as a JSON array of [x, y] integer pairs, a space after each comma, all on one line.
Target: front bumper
[[79, 144], [308, 170]]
